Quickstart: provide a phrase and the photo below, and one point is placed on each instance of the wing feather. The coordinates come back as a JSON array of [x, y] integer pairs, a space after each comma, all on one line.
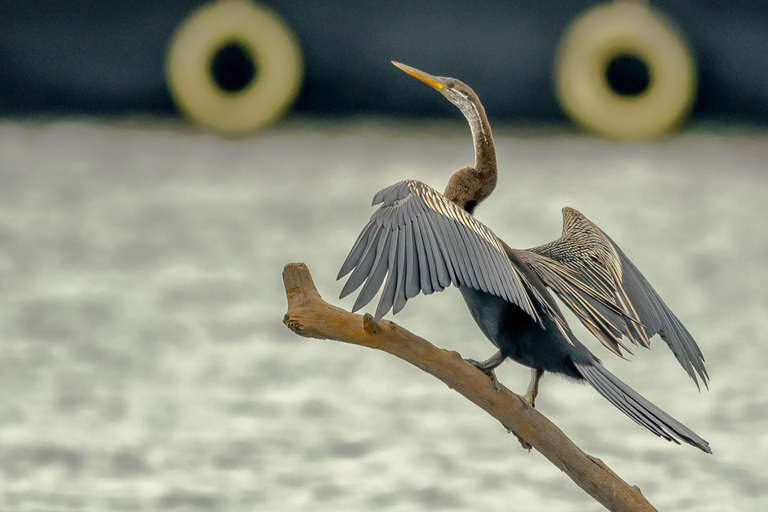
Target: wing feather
[[378, 271], [363, 267], [441, 251], [402, 264], [482, 270], [450, 224], [421, 242], [457, 259], [388, 294], [357, 250], [427, 272], [412, 279], [594, 277]]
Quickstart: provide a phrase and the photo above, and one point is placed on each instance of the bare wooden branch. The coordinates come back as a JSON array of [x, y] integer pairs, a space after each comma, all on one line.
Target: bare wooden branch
[[310, 316]]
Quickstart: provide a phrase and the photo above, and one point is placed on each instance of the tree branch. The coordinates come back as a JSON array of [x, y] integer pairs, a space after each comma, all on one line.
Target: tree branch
[[310, 316]]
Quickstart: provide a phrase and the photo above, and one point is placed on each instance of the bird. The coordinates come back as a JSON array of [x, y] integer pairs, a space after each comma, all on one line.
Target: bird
[[423, 241]]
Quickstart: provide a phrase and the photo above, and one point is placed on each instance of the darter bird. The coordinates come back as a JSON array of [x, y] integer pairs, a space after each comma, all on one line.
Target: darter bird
[[424, 241]]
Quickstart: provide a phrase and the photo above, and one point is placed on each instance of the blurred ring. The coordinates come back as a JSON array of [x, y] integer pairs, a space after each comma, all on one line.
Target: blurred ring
[[624, 28], [268, 41]]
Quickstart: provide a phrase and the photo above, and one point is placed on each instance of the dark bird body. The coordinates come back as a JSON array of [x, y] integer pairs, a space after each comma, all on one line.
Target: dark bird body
[[545, 348], [520, 338], [422, 241]]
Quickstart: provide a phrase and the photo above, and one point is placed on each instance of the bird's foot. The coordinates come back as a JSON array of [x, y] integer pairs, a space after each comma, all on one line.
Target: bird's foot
[[523, 442], [488, 371], [529, 399]]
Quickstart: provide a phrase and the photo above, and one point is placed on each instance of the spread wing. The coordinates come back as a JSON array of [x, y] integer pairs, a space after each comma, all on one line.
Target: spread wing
[[422, 242], [592, 275]]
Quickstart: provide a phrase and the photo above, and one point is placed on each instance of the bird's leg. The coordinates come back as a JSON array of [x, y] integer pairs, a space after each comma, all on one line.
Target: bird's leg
[[533, 389], [488, 366]]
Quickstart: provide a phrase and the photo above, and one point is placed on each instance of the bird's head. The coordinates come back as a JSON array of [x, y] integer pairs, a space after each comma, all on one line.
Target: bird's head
[[455, 91], [469, 186]]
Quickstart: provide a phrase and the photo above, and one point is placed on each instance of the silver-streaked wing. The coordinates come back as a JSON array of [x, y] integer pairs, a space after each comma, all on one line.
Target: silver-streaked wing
[[596, 311], [422, 242], [594, 277]]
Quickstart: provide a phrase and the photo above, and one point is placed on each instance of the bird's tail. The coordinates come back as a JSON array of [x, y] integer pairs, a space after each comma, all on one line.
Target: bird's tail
[[643, 412]]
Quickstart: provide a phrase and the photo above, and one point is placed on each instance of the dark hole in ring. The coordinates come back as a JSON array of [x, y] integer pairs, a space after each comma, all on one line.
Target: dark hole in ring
[[627, 75], [233, 67]]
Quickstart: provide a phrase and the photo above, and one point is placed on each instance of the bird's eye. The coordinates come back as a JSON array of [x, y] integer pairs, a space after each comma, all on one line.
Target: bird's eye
[[451, 84]]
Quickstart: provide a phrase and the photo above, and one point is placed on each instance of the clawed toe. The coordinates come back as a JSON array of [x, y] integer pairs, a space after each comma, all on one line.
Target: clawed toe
[[529, 400], [488, 371], [494, 380], [523, 442]]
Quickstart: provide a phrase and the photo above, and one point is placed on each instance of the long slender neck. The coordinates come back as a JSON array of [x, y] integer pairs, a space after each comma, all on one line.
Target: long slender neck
[[485, 152], [468, 187]]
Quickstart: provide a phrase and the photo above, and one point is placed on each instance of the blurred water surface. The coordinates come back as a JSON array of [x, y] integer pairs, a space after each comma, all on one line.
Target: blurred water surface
[[144, 365]]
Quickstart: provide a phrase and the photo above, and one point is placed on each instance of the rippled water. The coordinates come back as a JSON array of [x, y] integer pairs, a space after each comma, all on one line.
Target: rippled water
[[144, 365]]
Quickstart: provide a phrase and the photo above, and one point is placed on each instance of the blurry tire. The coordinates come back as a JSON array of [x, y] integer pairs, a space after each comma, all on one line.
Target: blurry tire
[[270, 44], [606, 32]]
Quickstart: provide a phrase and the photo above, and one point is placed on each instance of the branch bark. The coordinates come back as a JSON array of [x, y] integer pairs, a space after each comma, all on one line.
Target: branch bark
[[310, 316]]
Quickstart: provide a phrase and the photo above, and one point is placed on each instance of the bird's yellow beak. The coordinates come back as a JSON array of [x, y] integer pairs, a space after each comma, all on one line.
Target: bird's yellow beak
[[424, 77]]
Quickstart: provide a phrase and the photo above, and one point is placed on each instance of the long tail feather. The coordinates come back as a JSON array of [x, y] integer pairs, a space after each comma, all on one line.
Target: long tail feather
[[643, 412]]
